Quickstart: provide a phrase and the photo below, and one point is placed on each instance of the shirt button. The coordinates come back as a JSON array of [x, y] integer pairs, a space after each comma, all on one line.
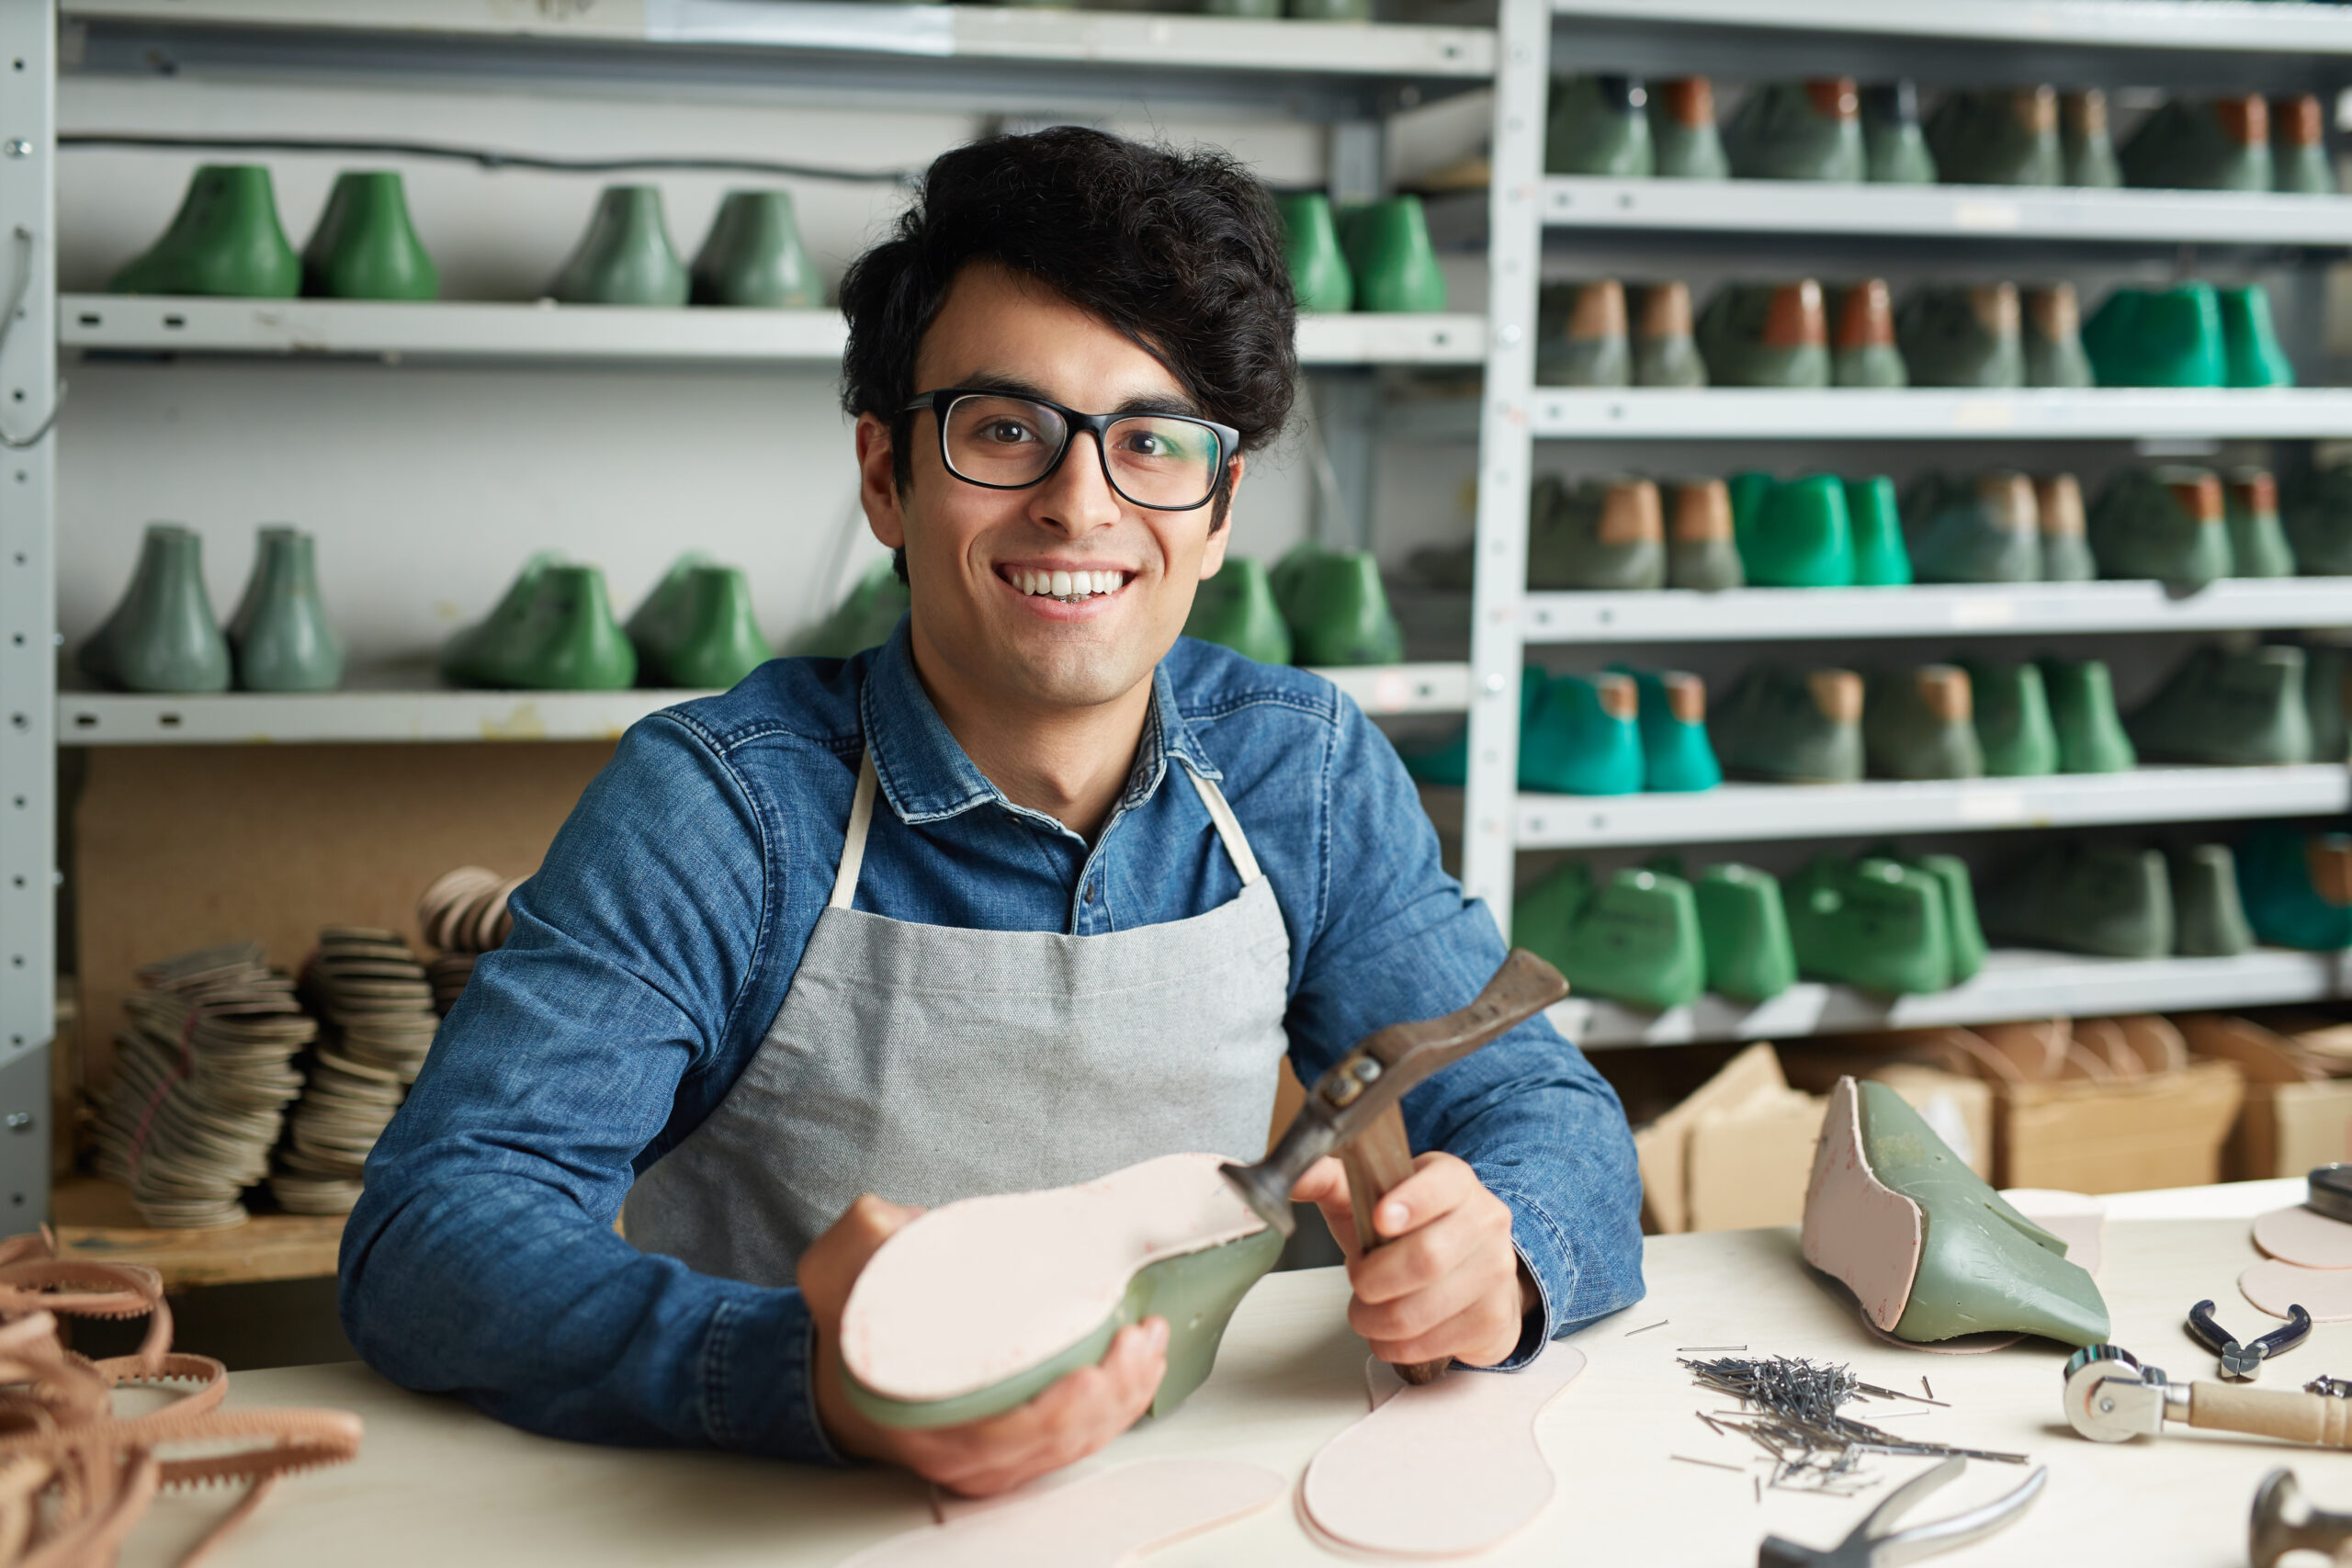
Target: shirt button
[[1090, 891]]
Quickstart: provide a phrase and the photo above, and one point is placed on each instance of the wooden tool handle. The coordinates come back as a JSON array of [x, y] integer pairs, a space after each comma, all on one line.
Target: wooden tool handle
[[2271, 1412], [1378, 1159]]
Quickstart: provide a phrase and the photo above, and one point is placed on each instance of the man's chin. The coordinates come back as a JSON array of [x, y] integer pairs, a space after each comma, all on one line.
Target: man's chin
[[1068, 677]]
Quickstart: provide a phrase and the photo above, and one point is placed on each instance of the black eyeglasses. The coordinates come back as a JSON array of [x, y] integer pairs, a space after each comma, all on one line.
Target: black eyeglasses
[[1167, 462]]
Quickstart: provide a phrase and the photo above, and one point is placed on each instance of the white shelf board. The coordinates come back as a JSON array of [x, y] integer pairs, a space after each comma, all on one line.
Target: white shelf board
[[234, 718], [1678, 614], [1155, 42], [547, 330], [1736, 812], [2104, 414], [2232, 26], [2014, 984], [1779, 207]]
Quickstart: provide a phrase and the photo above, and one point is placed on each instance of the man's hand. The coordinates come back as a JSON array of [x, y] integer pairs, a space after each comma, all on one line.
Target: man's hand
[[1081, 1413], [1445, 1280]]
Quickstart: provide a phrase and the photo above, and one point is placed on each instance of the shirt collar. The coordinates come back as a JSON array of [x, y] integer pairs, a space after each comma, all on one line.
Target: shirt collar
[[924, 773]]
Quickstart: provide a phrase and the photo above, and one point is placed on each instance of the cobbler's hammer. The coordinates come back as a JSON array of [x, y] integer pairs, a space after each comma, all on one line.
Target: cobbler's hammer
[[1352, 1110]]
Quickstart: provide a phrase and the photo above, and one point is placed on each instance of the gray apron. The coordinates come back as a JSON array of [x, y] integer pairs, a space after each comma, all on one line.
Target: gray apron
[[925, 1064]]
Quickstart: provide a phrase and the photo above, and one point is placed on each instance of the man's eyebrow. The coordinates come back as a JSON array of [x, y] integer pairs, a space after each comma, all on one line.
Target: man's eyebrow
[[1020, 387]]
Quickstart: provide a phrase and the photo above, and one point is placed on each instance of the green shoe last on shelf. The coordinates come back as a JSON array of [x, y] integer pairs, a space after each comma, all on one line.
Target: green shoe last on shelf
[[2013, 724], [1961, 925], [1966, 336], [1672, 713], [1580, 337], [1582, 737], [2059, 519], [659, 621], [1798, 131], [1604, 534], [1997, 136], [1545, 909], [471, 653], [2087, 146], [2169, 523], [279, 637], [2054, 339], [754, 257], [624, 257], [2257, 538], [1634, 939], [1894, 150], [2319, 522], [1665, 350], [2208, 916], [1598, 125], [1881, 558], [1766, 335], [2228, 709], [224, 241], [1928, 1249], [1318, 272], [864, 618], [1336, 609], [1871, 922], [2299, 163], [1388, 249], [2076, 896], [2158, 337], [1745, 930], [2091, 739], [567, 641], [1684, 143], [2296, 887], [707, 638], [162, 636], [1783, 726], [1984, 529], [1236, 609], [365, 248], [2203, 144], [1918, 724], [2250, 352], [1801, 536], [1700, 551], [1864, 352]]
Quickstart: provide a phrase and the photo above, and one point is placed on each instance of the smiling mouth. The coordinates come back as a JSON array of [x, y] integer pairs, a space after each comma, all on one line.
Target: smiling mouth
[[1069, 587]]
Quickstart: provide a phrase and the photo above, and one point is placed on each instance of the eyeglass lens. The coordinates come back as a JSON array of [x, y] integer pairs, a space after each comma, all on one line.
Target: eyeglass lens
[[1155, 460]]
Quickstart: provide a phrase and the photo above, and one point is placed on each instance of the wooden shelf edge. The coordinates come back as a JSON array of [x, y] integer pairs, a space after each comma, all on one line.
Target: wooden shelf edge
[[94, 1220]]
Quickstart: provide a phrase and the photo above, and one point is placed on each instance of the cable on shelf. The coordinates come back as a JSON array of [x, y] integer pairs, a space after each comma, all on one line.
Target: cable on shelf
[[491, 157]]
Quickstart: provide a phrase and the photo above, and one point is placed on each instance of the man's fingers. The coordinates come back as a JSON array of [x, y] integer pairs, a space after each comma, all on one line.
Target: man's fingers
[[1324, 1179], [1081, 1413], [1416, 1261], [1478, 1336], [1439, 1185], [1421, 1310]]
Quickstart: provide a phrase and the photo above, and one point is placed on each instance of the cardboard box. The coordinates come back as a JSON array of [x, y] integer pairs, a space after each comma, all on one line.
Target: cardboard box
[[1735, 1155], [2167, 1129], [2295, 1115]]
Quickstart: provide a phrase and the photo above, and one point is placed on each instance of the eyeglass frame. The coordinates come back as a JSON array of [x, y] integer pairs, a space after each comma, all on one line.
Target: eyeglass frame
[[1228, 440]]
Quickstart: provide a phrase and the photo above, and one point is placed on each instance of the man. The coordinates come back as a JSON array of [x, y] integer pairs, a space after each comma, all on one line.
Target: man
[[1032, 892]]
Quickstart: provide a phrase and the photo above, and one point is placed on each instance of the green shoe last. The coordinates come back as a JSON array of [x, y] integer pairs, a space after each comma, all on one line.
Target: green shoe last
[[1865, 353], [1966, 336], [1766, 335], [567, 641], [1997, 136], [365, 248], [280, 638], [1783, 726], [2108, 900], [1544, 910], [2225, 708], [1318, 272], [1637, 940], [2298, 887], [1598, 125], [1802, 536], [1981, 530], [1236, 609], [2013, 724], [2300, 164], [1672, 712], [1665, 350], [1580, 337], [864, 618], [1339, 612], [2197, 144], [1700, 551], [624, 257], [717, 640], [2209, 918], [1894, 150], [2084, 142], [2257, 538], [2158, 337], [1916, 724], [754, 258], [1798, 131], [2319, 522], [1684, 143], [2250, 352], [2065, 542], [1583, 736], [2091, 737], [2054, 339], [1871, 922], [162, 636], [1881, 558], [468, 656], [224, 241], [2169, 523], [1745, 932], [1388, 249], [1604, 534]]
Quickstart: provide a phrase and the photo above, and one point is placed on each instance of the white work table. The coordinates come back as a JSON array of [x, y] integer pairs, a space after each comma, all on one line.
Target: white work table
[[439, 1485]]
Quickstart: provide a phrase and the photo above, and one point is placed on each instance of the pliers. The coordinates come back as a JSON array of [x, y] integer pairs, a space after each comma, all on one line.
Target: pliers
[[2243, 1363], [1873, 1544]]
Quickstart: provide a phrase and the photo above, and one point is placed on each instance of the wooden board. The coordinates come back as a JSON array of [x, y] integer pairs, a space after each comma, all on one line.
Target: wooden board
[[179, 847], [437, 1482], [95, 1219]]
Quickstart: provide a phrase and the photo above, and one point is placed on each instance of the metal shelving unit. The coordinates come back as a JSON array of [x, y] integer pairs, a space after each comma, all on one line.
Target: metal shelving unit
[[2302, 47]]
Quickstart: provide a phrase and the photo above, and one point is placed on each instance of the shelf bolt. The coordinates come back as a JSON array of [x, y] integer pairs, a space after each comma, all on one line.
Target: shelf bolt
[[1510, 334], [1493, 681], [20, 148]]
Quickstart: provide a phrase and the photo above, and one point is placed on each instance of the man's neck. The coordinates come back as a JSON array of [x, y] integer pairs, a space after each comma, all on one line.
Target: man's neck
[[1070, 763]]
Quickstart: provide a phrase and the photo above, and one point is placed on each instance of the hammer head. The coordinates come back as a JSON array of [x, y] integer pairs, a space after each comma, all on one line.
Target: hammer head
[[2282, 1523]]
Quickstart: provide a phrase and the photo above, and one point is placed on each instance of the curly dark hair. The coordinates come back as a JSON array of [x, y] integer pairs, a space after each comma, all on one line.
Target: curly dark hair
[[1181, 252]]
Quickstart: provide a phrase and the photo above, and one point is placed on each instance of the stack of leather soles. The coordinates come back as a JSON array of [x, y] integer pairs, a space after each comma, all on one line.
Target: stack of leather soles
[[378, 1006], [463, 914], [203, 1074]]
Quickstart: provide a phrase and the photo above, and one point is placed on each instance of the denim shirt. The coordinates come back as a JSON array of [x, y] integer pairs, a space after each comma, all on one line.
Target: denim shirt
[[660, 934]]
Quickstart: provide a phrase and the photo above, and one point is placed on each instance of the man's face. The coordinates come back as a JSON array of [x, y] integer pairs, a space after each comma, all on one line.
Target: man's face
[[974, 555]]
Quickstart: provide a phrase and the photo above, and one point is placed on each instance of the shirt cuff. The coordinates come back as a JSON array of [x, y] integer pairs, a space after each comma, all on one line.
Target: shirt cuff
[[1544, 1253], [759, 1393]]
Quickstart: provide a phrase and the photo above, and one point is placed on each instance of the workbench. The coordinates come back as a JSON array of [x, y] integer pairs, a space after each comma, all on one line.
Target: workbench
[[438, 1484]]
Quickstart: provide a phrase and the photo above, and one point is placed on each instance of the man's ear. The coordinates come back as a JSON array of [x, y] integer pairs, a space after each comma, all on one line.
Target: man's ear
[[1213, 557], [877, 482]]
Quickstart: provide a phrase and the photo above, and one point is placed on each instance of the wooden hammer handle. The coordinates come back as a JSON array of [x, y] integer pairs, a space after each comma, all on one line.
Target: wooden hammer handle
[[1376, 1160], [2271, 1412]]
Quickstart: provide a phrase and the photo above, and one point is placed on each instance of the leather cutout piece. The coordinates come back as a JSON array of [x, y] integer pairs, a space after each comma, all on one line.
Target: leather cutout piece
[[1101, 1521], [1443, 1470], [2304, 1237], [1857, 1229], [2325, 1293]]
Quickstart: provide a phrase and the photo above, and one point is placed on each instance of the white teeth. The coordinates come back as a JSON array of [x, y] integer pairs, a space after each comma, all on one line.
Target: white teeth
[[1068, 584], [1061, 585]]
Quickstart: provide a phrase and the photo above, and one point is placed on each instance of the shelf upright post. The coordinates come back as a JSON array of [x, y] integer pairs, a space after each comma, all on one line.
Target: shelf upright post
[[28, 394], [1505, 451]]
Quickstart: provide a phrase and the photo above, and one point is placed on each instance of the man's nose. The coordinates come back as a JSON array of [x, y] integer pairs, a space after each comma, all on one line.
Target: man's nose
[[1078, 496]]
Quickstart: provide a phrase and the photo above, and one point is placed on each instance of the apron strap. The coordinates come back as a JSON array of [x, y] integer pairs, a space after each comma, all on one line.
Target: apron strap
[[861, 818], [1228, 828]]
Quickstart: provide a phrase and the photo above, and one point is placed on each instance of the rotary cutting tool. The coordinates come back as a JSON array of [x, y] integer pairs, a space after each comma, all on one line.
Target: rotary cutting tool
[[2111, 1398]]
